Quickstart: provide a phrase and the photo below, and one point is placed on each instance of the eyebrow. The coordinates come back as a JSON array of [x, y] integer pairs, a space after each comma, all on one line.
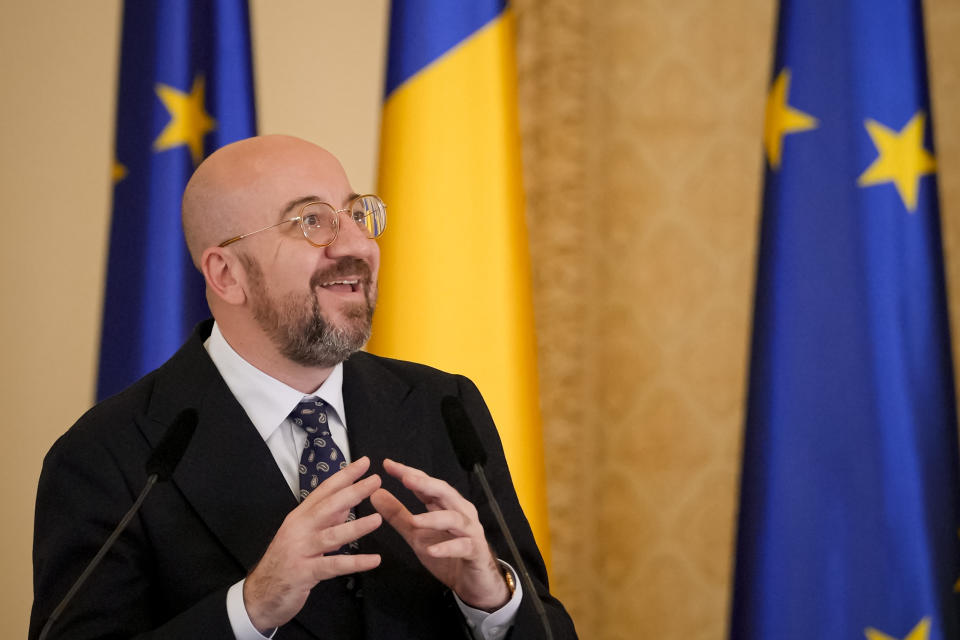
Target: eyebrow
[[293, 204], [298, 202]]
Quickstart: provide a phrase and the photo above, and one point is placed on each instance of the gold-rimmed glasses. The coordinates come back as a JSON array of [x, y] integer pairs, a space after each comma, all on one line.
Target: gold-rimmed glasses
[[320, 221]]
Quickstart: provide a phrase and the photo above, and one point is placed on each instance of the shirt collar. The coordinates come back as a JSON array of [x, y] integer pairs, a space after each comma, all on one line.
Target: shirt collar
[[266, 400]]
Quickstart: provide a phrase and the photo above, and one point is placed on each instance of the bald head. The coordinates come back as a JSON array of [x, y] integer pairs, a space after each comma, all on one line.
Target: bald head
[[241, 186]]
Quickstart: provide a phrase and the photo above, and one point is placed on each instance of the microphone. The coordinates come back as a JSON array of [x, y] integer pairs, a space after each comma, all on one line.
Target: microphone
[[166, 455], [466, 443], [472, 456], [160, 465]]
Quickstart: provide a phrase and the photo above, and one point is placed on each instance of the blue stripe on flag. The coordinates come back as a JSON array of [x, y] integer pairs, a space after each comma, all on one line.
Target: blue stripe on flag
[[423, 30]]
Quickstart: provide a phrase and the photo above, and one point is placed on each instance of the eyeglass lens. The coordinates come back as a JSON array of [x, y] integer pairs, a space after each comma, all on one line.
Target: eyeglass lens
[[320, 220]]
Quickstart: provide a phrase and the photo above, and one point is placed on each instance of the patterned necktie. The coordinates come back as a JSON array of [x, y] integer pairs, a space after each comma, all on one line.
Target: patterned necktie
[[321, 457]]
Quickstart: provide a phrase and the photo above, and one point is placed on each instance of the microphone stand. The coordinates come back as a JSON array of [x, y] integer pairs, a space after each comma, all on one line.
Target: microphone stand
[[160, 465], [517, 560], [151, 480]]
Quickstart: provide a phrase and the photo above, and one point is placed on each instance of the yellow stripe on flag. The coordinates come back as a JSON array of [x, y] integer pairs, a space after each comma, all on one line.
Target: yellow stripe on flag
[[455, 275]]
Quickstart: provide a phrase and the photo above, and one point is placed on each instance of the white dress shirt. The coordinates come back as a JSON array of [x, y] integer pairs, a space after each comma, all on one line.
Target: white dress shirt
[[268, 403]]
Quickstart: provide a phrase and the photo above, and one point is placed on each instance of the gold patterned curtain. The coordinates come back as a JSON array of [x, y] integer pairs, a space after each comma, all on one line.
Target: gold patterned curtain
[[642, 124]]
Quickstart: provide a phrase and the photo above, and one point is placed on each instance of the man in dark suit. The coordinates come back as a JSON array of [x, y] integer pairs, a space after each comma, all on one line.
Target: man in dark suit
[[253, 537]]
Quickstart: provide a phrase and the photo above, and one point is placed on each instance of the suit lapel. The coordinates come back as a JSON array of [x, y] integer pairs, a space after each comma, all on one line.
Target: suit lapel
[[232, 480], [227, 473], [377, 424]]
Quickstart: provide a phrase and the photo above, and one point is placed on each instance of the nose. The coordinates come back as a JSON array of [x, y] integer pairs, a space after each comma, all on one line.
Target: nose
[[352, 241]]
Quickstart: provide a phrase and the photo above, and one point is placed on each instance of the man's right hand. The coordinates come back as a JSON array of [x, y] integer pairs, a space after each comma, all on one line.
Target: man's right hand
[[278, 586]]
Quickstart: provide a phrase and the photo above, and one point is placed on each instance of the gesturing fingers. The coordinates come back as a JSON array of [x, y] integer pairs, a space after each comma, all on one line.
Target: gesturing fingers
[[428, 535], [439, 534], [340, 480], [433, 492], [455, 548], [453, 522], [332, 538], [334, 507], [448, 538], [328, 567]]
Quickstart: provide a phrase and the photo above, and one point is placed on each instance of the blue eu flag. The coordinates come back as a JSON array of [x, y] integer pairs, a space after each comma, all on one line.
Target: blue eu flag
[[849, 498], [186, 88]]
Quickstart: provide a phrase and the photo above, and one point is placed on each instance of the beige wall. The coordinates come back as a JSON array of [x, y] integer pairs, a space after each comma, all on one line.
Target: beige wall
[[642, 334], [57, 81]]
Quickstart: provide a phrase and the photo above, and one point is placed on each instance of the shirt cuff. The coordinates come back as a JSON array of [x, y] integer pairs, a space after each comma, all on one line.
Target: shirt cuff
[[243, 629], [495, 625]]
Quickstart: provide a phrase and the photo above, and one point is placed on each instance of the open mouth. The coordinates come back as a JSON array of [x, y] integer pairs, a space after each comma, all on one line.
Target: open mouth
[[342, 286]]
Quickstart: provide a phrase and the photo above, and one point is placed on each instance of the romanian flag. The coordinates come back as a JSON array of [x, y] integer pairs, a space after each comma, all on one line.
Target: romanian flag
[[455, 277], [186, 88], [849, 497]]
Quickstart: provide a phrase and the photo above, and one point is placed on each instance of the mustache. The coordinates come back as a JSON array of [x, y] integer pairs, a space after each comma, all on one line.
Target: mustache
[[346, 266]]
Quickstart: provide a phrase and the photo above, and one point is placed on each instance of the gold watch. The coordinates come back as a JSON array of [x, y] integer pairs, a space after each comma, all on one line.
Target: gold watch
[[508, 578]]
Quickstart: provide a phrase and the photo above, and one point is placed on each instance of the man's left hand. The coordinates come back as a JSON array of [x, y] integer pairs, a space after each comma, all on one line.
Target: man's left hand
[[448, 538]]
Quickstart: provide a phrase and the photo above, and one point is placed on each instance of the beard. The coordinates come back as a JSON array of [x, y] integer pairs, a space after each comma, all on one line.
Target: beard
[[297, 325]]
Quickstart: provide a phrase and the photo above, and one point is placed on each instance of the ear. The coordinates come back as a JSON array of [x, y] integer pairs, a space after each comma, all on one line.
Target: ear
[[224, 274]]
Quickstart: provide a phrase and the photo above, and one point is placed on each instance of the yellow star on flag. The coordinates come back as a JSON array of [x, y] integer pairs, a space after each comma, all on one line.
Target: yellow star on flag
[[118, 173], [189, 121], [919, 632], [902, 159], [782, 119]]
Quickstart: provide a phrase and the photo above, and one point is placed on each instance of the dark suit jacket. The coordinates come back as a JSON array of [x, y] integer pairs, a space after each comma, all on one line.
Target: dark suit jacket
[[204, 530]]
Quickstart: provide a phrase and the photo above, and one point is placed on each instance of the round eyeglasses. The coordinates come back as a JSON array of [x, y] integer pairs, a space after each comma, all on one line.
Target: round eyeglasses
[[320, 222]]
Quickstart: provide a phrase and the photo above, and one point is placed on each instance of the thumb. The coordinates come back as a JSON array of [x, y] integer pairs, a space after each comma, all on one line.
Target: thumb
[[392, 511]]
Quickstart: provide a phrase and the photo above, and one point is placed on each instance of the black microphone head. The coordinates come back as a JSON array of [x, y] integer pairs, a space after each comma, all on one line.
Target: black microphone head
[[466, 443], [166, 455]]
